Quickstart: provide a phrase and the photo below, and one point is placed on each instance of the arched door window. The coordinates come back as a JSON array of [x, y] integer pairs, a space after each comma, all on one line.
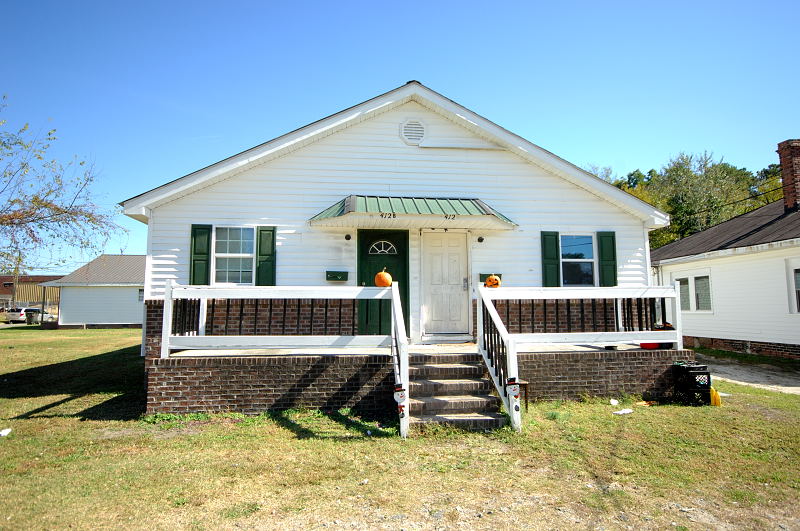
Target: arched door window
[[382, 247]]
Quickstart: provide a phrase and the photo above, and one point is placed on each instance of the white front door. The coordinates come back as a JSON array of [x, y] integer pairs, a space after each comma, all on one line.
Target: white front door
[[445, 283]]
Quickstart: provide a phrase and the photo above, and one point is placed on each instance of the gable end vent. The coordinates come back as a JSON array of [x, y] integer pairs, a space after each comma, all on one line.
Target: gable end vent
[[412, 132]]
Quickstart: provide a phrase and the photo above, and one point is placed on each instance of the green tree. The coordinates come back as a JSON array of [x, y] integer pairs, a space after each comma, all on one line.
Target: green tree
[[46, 208]]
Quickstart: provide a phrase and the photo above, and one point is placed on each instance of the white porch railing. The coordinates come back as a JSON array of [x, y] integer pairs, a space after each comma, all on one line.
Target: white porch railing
[[578, 316], [191, 324]]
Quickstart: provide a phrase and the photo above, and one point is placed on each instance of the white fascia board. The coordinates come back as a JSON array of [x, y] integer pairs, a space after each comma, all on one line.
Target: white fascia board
[[529, 151], [736, 251]]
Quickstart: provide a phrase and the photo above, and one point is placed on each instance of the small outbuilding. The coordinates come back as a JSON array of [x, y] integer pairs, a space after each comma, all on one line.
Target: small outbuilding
[[108, 292]]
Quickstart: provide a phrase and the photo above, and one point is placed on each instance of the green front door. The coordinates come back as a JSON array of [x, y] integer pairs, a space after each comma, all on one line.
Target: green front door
[[378, 249]]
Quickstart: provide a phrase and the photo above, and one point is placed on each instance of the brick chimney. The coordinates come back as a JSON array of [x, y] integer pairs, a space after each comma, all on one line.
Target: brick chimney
[[789, 155]]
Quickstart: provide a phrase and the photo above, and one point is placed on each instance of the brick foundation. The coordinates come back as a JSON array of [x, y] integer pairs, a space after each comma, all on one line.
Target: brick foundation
[[253, 385], [571, 375], [778, 350]]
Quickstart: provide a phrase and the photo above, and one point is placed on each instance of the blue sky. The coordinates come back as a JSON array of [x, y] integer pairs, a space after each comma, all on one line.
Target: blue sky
[[150, 91]]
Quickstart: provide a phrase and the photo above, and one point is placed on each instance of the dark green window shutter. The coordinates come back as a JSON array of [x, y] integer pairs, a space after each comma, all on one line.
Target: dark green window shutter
[[265, 256], [200, 266], [551, 260], [607, 263]]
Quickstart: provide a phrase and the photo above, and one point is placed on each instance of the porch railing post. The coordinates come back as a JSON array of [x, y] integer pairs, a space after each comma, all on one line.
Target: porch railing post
[[166, 324], [512, 371], [678, 323], [479, 331], [201, 318]]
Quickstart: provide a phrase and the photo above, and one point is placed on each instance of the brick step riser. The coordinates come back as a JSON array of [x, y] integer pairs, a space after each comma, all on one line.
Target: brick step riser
[[487, 424], [434, 409], [418, 359], [422, 390], [443, 373]]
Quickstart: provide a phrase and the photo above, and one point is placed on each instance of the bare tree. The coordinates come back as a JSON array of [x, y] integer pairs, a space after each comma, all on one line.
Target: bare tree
[[46, 207]]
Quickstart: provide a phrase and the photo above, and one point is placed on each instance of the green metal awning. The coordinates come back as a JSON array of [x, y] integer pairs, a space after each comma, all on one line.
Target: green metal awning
[[372, 211]]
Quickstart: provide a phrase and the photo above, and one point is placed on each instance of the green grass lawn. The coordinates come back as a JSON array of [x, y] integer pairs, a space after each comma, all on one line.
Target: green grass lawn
[[81, 455]]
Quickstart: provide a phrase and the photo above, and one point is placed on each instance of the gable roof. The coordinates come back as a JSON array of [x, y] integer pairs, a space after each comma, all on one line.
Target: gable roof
[[107, 270], [138, 207], [768, 224]]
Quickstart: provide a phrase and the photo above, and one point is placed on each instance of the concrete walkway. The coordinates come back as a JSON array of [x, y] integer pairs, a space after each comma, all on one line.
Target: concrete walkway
[[763, 376]]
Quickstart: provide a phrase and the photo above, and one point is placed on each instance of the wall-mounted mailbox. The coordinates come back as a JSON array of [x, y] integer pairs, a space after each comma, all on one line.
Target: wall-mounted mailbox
[[336, 276], [484, 276]]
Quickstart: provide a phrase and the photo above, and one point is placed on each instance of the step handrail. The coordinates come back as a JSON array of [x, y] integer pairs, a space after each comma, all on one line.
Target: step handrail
[[400, 361], [499, 352]]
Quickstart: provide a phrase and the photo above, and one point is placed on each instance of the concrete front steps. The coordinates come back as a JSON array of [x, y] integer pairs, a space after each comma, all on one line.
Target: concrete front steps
[[451, 389]]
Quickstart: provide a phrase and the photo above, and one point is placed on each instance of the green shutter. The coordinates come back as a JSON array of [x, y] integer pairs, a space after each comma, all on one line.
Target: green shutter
[[200, 265], [265, 256], [551, 260], [607, 263]]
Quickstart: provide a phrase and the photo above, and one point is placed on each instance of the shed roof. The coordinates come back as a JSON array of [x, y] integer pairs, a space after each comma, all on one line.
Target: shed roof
[[107, 270], [364, 210], [768, 224]]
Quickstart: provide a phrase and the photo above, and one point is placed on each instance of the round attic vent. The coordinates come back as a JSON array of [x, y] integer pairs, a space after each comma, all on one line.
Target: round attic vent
[[412, 132]]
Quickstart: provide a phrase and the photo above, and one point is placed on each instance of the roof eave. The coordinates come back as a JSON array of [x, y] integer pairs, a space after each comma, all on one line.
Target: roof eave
[[733, 251]]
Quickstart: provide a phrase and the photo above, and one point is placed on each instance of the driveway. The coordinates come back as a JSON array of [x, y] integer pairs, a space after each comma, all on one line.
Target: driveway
[[763, 376]]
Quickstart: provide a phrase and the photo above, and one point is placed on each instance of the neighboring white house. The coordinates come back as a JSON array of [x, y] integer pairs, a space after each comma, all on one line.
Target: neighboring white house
[[740, 280], [408, 180], [108, 291]]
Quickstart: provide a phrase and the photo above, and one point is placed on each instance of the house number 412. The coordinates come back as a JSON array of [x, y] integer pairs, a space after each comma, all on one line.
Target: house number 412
[[449, 216]]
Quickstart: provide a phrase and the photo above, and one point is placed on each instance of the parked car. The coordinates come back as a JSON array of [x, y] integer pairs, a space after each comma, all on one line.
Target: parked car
[[13, 315], [20, 315]]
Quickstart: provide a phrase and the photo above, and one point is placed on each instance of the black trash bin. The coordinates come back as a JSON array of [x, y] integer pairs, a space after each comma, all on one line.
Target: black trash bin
[[692, 383]]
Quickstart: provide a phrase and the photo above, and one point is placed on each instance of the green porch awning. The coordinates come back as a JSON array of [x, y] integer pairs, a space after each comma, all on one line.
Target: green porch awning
[[373, 211]]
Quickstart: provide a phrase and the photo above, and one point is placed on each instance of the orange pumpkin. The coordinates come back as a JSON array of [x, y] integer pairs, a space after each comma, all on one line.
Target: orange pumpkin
[[492, 281], [383, 279]]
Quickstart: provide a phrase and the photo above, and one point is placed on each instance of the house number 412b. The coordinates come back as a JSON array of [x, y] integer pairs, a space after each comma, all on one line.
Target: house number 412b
[[390, 215]]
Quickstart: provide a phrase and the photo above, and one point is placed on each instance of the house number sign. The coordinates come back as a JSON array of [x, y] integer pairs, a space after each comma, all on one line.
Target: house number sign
[[392, 215]]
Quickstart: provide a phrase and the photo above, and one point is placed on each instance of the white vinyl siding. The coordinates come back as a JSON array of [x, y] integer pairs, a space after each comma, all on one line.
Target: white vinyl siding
[[100, 305], [752, 296], [371, 158]]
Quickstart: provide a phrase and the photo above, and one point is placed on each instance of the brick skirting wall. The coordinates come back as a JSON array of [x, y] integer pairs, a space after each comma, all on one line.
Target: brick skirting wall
[[571, 375], [253, 385], [779, 350]]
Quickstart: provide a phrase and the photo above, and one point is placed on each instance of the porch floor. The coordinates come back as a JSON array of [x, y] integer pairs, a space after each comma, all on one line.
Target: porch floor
[[440, 348]]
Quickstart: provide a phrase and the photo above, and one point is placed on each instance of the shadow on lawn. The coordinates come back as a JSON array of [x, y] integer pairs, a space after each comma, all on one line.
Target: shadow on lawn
[[119, 372], [304, 429]]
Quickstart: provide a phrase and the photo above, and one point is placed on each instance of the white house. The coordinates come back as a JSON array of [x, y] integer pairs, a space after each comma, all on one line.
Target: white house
[[409, 180], [106, 292], [439, 197], [740, 280]]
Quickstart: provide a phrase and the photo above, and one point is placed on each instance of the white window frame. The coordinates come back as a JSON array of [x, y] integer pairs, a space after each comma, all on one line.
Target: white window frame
[[593, 261], [792, 264], [691, 276], [231, 255]]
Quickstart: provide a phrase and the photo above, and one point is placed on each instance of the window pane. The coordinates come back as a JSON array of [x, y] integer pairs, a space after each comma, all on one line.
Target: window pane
[[579, 247], [577, 274], [684, 285], [702, 293], [234, 246]]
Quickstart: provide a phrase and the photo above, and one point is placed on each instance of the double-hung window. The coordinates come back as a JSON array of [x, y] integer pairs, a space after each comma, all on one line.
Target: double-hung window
[[577, 260], [695, 292], [234, 255]]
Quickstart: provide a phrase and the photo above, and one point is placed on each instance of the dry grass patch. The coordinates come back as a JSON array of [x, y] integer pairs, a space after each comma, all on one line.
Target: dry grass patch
[[81, 455]]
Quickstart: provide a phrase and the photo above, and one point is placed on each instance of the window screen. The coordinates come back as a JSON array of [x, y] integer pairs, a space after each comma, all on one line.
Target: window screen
[[685, 300], [702, 293]]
